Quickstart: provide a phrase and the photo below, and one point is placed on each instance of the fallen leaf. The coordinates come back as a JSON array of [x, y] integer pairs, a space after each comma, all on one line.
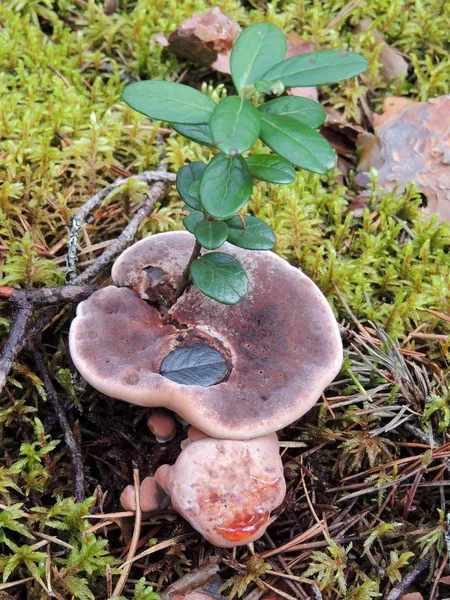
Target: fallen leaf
[[392, 63], [297, 45], [343, 136], [412, 596], [304, 92], [412, 143], [203, 38]]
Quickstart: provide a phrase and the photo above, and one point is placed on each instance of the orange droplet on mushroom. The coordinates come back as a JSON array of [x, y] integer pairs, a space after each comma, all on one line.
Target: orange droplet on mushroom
[[226, 489], [162, 425], [275, 351]]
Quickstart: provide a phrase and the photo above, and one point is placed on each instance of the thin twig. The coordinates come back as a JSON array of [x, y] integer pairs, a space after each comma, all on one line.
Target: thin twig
[[12, 347], [79, 218], [195, 579], [75, 454], [4, 586], [317, 594], [134, 540], [426, 439], [182, 285], [156, 192], [157, 547], [400, 588], [348, 8]]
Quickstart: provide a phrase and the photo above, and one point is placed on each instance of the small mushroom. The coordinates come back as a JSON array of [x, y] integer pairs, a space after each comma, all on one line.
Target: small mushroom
[[151, 495], [162, 425], [275, 351], [193, 434], [226, 489]]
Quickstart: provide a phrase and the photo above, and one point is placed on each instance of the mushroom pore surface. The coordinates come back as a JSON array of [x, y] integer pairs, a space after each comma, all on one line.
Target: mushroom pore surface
[[281, 341], [226, 489]]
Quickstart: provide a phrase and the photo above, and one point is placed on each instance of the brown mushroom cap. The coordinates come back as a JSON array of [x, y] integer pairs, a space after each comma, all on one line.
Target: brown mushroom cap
[[162, 425], [281, 341], [151, 496], [193, 434], [226, 489]]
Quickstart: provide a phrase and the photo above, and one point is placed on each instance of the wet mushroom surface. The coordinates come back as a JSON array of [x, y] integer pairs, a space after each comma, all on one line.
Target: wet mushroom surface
[[226, 489], [271, 355]]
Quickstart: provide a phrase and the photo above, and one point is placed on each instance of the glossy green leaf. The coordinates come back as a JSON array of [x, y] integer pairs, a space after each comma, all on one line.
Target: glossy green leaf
[[257, 49], [226, 186], [316, 68], [235, 125], [257, 235], [201, 134], [296, 142], [211, 234], [194, 217], [168, 101], [220, 277], [186, 176], [271, 168], [303, 109], [194, 189]]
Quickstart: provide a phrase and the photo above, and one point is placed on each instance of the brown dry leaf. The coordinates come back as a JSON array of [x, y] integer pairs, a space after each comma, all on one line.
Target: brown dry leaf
[[412, 596], [204, 38], [297, 45], [341, 134], [208, 39], [392, 62], [412, 143]]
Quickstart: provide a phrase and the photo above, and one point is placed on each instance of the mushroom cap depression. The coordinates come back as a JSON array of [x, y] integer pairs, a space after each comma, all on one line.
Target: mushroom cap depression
[[226, 489], [280, 345]]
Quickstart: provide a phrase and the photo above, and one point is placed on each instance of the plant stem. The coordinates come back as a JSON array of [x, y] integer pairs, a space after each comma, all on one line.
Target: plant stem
[[185, 277]]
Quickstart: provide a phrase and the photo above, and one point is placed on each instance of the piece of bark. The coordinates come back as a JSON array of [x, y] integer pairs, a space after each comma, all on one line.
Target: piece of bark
[[412, 143]]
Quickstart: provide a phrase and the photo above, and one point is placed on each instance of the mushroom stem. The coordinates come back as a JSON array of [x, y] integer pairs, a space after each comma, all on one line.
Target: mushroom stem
[[187, 272]]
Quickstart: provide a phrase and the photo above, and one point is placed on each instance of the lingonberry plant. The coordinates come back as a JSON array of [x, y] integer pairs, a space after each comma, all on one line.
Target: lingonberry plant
[[215, 193]]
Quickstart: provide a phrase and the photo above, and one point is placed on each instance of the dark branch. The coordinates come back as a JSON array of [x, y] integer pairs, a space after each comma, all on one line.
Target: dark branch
[[48, 296], [400, 588], [12, 347], [75, 453]]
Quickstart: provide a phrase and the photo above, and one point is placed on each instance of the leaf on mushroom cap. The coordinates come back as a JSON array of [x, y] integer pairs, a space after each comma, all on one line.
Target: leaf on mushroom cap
[[226, 515], [281, 341]]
